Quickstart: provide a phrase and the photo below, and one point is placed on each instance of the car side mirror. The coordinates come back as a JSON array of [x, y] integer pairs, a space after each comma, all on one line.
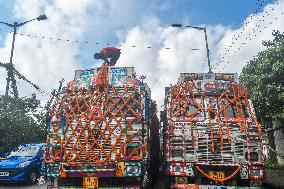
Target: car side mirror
[[3, 156]]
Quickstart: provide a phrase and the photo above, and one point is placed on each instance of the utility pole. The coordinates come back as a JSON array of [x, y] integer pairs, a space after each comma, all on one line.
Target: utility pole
[[206, 41], [10, 66]]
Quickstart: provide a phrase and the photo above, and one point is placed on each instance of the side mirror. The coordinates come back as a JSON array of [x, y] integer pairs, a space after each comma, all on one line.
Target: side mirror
[[3, 156]]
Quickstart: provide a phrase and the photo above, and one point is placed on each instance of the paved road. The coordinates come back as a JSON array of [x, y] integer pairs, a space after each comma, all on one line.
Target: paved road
[[19, 186]]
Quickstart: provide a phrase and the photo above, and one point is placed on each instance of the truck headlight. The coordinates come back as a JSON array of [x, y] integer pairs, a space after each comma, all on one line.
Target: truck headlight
[[132, 169], [24, 164], [178, 168]]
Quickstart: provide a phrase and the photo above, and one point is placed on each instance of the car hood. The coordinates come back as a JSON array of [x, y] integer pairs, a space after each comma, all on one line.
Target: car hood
[[12, 162]]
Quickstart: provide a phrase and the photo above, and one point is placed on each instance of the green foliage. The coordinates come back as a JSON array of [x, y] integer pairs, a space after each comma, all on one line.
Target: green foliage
[[20, 122], [273, 165], [264, 77]]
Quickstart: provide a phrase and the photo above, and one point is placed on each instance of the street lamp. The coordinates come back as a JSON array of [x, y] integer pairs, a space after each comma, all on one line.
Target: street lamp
[[10, 64], [198, 28]]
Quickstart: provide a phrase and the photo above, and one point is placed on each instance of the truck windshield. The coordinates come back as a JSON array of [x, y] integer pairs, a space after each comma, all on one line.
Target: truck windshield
[[234, 110], [24, 151], [188, 109]]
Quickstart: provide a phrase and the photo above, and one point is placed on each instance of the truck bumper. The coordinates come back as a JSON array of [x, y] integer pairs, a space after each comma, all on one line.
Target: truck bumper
[[195, 186], [71, 187]]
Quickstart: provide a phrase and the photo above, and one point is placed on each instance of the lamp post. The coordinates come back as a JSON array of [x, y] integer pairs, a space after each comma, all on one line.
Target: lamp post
[[207, 48], [10, 64]]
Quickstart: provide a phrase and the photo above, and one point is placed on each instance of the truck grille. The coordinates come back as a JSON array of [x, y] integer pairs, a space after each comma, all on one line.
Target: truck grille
[[199, 146]]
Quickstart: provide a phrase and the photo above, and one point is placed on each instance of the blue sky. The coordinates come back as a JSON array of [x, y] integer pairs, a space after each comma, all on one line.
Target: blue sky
[[210, 12], [196, 12], [138, 23]]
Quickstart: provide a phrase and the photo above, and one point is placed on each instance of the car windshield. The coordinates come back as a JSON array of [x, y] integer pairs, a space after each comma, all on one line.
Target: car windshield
[[24, 151]]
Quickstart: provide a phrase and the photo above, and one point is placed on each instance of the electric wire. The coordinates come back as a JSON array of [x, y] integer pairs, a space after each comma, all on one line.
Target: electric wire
[[247, 38]]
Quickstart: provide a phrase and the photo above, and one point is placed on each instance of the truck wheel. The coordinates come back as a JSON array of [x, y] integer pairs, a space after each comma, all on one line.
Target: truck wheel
[[168, 182]]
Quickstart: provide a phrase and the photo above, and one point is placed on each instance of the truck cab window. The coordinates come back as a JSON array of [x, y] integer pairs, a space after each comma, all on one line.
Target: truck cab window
[[234, 110]]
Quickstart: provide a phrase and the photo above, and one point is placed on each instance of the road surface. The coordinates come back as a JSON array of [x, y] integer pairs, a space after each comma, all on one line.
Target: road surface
[[19, 186]]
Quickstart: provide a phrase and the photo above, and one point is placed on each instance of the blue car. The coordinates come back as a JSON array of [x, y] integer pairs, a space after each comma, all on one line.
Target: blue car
[[24, 164]]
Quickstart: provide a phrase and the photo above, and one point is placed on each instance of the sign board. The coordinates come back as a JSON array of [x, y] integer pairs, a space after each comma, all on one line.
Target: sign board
[[85, 73], [123, 75], [118, 76], [91, 182], [210, 86], [85, 77], [208, 76]]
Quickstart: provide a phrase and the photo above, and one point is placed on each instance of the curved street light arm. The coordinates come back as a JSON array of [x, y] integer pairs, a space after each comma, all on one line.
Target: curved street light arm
[[196, 27], [206, 41], [23, 23], [12, 71], [10, 25]]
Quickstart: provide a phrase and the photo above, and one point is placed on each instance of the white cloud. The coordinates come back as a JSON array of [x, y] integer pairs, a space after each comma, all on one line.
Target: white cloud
[[259, 27], [45, 61], [162, 66]]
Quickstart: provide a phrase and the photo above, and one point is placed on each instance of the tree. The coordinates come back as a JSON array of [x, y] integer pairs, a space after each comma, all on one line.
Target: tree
[[264, 77], [20, 122]]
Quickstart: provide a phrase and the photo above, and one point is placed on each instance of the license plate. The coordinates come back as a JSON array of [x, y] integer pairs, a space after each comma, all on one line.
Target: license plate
[[91, 182], [4, 174], [181, 180], [185, 186], [217, 174]]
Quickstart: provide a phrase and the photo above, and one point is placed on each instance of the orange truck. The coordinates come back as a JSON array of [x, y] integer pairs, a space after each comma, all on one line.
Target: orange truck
[[211, 138], [98, 131]]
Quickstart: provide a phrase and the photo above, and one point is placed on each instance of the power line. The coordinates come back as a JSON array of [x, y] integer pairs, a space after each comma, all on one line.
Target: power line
[[249, 37], [87, 42], [244, 24]]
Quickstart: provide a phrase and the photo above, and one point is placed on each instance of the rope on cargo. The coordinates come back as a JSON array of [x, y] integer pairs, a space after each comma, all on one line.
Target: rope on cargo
[[98, 109], [184, 94]]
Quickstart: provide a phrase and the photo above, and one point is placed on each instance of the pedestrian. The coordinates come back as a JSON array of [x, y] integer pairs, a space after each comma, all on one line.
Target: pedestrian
[[108, 52]]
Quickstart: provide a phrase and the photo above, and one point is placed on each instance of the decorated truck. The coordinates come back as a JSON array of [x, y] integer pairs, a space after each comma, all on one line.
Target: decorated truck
[[98, 131], [211, 137]]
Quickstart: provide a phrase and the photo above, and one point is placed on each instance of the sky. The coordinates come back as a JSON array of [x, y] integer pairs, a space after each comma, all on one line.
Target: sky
[[49, 50]]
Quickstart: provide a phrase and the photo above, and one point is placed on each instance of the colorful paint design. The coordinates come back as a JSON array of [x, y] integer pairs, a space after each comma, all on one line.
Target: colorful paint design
[[244, 172], [132, 169], [118, 76]]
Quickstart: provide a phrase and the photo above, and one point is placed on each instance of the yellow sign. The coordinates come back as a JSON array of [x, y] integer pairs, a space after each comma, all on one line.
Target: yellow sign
[[217, 174], [120, 169], [90, 182], [185, 186], [181, 180]]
